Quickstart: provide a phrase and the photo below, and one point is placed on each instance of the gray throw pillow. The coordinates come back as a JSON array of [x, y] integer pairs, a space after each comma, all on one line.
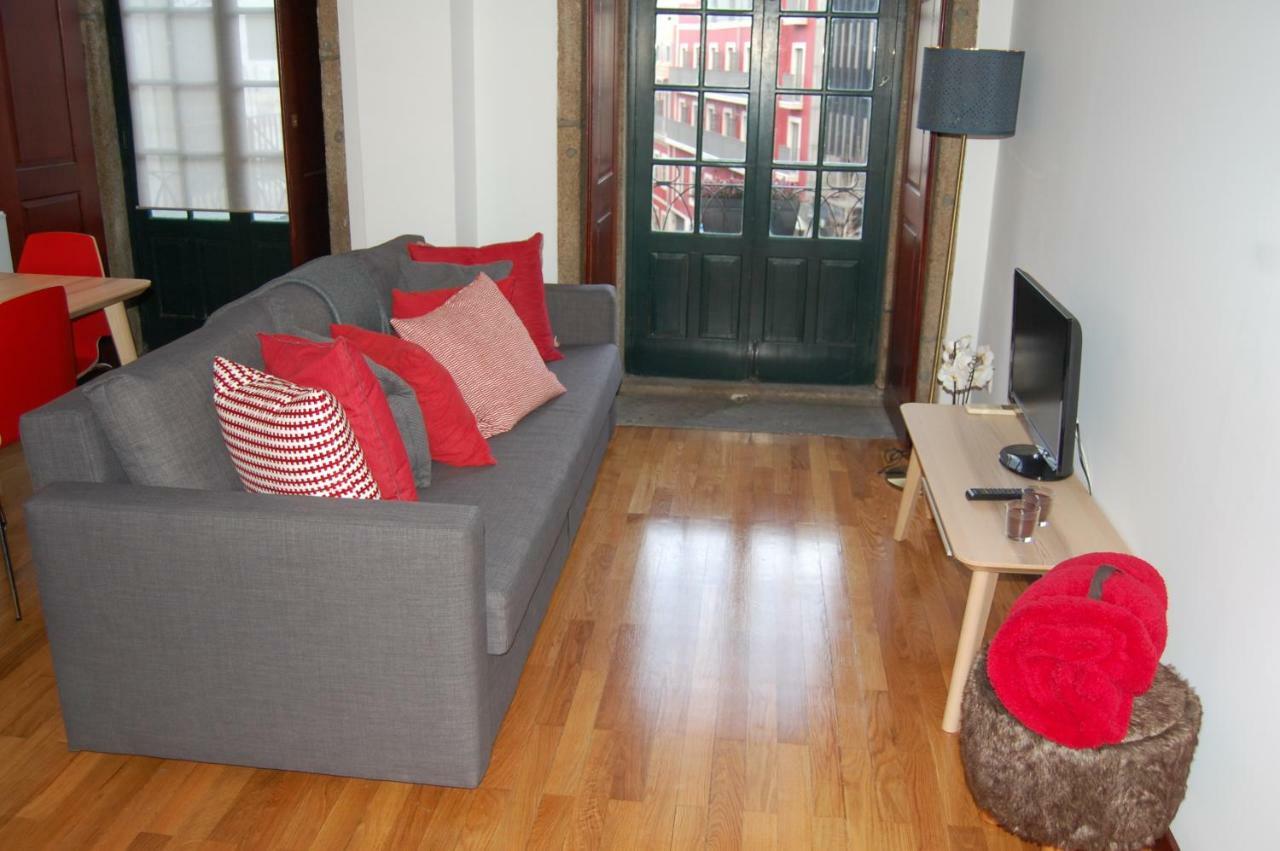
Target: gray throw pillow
[[416, 277], [404, 409]]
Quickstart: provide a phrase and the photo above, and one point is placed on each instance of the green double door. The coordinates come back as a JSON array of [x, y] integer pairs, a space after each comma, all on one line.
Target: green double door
[[759, 187]]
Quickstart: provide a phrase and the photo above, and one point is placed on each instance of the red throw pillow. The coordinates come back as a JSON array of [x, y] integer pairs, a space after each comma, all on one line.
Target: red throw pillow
[[529, 298], [406, 305], [286, 439], [339, 368], [452, 432], [477, 336]]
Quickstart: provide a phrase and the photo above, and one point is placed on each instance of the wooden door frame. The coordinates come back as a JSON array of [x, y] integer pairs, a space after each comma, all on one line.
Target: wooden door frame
[[959, 29], [601, 206]]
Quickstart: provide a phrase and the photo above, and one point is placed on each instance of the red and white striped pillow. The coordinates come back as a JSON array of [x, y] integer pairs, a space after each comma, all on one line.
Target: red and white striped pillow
[[286, 439], [478, 337]]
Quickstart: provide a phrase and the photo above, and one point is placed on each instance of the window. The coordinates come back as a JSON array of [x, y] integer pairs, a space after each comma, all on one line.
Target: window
[[746, 55], [795, 131], [713, 56], [797, 61], [711, 115], [730, 57], [204, 87], [684, 56], [726, 122]]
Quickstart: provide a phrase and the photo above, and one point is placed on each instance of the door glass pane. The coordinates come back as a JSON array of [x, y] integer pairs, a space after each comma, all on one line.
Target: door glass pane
[[728, 50], [795, 128], [672, 204], [801, 44], [675, 124], [677, 49], [745, 5], [679, 4], [791, 202], [720, 207], [868, 6], [804, 5], [840, 216], [188, 93], [853, 54], [724, 132], [848, 130]]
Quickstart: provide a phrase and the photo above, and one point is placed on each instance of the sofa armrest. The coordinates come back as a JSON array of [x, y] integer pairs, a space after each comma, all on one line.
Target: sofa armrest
[[583, 314], [337, 636]]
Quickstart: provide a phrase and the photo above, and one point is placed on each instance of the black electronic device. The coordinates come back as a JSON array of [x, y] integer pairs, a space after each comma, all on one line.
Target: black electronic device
[[1044, 381], [992, 494]]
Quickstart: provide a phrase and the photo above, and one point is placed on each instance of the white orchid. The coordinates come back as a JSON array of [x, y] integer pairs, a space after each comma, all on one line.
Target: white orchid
[[964, 369]]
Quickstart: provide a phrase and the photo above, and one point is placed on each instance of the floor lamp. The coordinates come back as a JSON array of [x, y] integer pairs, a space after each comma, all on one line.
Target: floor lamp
[[966, 93], [963, 92]]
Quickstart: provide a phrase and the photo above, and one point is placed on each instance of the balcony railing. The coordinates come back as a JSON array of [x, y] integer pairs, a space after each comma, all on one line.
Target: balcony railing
[[675, 132], [682, 76], [715, 146], [719, 77], [713, 77]]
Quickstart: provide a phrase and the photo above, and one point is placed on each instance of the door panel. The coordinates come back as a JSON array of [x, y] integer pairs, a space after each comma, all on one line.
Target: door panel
[[306, 180], [601, 142], [908, 286], [721, 283], [837, 299], [670, 295], [48, 180], [762, 156], [784, 299]]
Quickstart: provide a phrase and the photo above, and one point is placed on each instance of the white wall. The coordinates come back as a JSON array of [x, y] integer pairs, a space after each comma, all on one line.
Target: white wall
[[516, 123], [977, 196], [1143, 189], [397, 99], [450, 119]]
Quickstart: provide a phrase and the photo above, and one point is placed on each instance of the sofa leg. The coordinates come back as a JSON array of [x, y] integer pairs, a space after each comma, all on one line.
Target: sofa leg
[[8, 563]]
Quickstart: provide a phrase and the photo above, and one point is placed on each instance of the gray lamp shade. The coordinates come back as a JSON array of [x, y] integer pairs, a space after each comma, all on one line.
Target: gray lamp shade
[[970, 92]]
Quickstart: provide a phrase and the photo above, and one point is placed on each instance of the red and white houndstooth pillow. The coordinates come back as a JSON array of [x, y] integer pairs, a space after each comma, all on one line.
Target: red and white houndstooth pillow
[[478, 337], [286, 439]]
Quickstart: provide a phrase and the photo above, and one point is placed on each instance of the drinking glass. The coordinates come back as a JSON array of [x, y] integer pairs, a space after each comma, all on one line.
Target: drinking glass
[[1020, 519], [1042, 498]]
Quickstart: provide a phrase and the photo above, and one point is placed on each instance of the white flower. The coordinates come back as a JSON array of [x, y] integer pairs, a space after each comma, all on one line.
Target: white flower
[[962, 368], [982, 377]]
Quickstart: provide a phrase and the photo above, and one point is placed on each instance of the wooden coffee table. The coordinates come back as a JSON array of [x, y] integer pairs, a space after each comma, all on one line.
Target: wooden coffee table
[[952, 451], [84, 296]]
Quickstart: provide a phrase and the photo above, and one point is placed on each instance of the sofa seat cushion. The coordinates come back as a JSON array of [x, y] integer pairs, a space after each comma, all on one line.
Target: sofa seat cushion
[[526, 498]]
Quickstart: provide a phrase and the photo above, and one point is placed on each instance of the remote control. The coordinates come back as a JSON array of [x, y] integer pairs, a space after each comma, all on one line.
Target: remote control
[[993, 493]]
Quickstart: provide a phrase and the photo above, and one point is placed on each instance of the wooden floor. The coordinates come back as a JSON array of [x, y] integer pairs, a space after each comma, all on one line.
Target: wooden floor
[[737, 655]]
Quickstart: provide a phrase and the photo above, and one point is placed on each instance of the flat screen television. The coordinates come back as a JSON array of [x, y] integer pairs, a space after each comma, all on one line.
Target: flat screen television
[[1044, 381]]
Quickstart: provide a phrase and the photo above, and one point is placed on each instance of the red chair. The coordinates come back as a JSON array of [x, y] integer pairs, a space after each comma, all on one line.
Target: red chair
[[38, 358], [36, 354], [66, 253]]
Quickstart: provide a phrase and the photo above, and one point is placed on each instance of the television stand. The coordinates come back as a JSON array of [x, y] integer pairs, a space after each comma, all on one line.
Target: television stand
[[952, 451]]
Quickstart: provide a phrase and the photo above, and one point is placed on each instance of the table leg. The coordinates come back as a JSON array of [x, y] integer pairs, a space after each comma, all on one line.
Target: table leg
[[982, 589], [121, 333], [910, 492]]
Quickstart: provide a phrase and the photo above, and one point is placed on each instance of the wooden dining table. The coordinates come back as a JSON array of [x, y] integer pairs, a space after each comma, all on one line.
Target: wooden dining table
[[84, 296]]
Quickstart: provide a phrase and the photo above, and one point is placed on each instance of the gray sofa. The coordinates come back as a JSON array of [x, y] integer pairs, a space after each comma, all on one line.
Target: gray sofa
[[190, 619]]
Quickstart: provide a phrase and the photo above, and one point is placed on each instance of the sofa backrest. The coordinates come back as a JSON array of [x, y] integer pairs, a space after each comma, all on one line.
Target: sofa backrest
[[352, 288], [153, 422]]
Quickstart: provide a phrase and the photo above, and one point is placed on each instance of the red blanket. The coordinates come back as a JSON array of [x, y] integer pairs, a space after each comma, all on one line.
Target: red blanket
[[1077, 647]]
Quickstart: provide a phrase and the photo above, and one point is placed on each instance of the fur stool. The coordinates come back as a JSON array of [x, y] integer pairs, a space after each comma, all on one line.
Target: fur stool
[[1112, 798]]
